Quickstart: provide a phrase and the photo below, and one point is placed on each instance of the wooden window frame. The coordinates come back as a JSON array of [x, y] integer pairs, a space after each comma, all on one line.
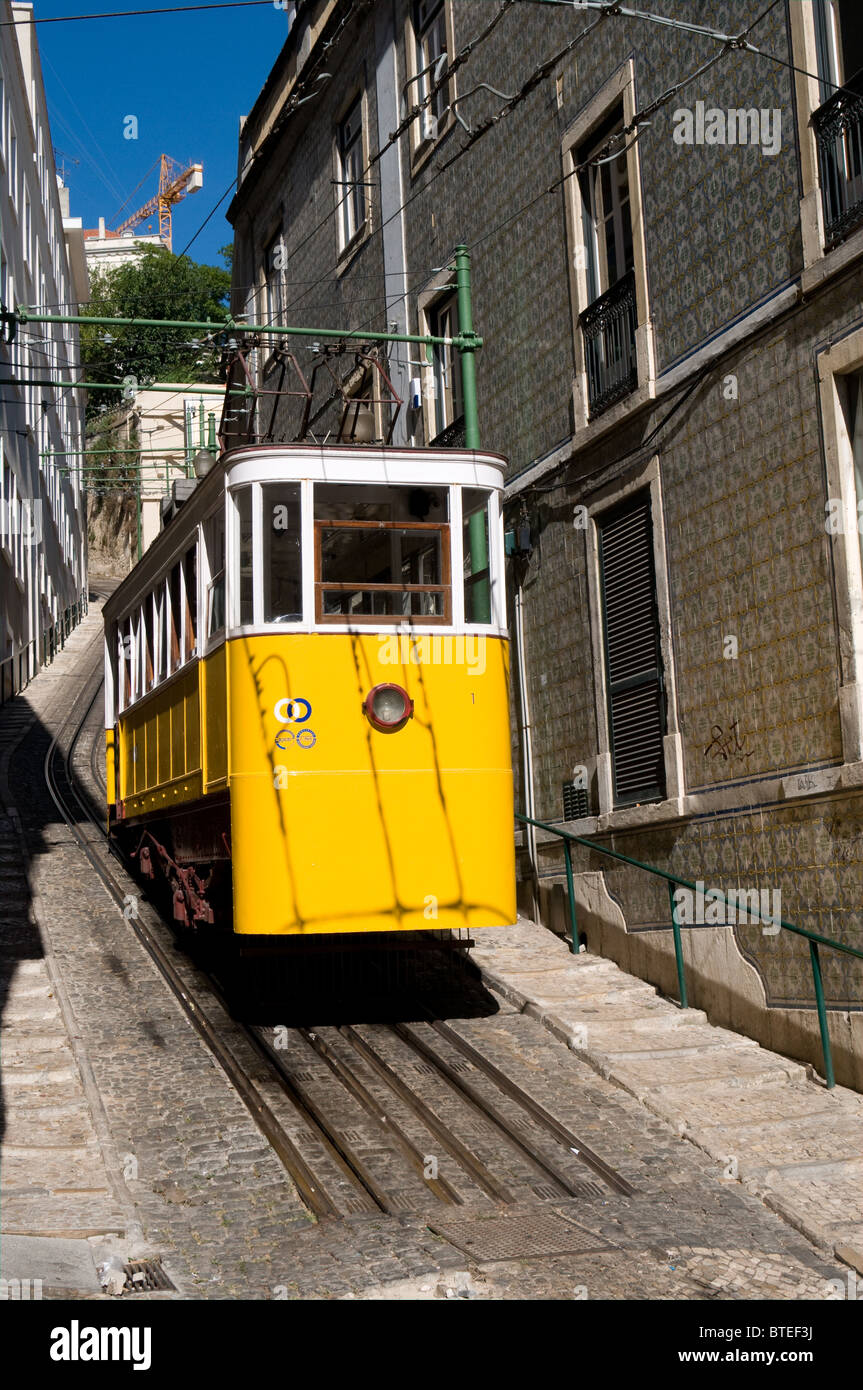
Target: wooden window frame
[[385, 619]]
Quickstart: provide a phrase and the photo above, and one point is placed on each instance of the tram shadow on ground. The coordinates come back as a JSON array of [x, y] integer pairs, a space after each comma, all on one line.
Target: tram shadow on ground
[[374, 984]]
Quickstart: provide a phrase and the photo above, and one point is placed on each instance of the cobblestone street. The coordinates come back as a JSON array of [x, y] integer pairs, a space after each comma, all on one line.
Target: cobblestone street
[[124, 1136]]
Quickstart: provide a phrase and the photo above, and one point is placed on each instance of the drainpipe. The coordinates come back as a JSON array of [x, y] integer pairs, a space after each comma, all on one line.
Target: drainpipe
[[526, 733]]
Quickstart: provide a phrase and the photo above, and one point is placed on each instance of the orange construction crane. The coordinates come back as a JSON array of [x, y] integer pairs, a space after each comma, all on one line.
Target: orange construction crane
[[174, 184]]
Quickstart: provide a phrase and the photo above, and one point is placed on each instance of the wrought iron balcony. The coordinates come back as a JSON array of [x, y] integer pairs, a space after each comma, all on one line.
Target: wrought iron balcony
[[453, 437], [838, 128], [608, 330]]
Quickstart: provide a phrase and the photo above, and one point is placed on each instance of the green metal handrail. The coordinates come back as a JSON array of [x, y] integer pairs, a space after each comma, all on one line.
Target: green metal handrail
[[815, 939]]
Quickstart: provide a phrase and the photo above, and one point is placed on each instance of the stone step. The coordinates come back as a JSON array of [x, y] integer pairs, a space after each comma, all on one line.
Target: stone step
[[38, 1212], [734, 1067], [70, 1170], [621, 1044]]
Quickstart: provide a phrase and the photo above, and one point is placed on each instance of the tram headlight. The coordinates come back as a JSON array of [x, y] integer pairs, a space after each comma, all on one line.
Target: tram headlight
[[387, 707]]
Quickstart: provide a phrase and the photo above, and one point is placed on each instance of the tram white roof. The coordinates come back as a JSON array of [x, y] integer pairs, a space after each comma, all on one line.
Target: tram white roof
[[344, 464], [250, 463]]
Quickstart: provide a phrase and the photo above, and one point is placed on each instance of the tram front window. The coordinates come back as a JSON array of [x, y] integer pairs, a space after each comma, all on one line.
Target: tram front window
[[283, 578], [382, 554]]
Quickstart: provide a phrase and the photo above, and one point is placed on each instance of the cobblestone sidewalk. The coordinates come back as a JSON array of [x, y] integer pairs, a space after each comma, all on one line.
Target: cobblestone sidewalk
[[773, 1126]]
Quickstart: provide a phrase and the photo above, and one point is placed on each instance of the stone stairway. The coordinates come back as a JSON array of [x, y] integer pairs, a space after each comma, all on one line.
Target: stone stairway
[[767, 1120]]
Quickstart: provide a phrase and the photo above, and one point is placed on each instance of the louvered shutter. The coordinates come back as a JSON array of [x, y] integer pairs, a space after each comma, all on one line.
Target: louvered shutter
[[633, 657]]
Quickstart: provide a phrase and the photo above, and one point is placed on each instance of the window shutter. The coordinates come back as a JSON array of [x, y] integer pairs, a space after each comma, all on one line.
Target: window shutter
[[633, 657]]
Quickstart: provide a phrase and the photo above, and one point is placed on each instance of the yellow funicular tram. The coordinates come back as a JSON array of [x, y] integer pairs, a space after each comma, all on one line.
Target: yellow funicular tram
[[307, 696]]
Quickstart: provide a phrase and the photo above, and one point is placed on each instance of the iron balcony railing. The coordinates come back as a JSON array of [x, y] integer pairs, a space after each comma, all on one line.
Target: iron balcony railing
[[674, 881], [608, 331], [838, 126], [453, 437]]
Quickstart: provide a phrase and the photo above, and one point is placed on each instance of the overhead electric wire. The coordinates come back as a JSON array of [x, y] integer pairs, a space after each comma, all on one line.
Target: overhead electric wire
[[130, 14]]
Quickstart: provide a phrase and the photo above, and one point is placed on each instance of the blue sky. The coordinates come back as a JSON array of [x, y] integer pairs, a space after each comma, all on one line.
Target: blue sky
[[188, 78]]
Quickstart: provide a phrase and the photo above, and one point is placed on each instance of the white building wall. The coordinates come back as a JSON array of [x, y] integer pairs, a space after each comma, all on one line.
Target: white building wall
[[43, 534]]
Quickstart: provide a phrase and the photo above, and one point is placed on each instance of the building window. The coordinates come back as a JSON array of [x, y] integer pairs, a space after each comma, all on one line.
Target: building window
[[273, 282], [609, 321], [839, 45], [613, 336], [838, 122], [350, 187], [840, 378], [445, 413], [430, 39], [634, 677]]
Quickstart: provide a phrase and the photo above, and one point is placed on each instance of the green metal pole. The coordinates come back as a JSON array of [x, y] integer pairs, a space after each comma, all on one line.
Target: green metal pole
[[678, 948], [466, 347], [211, 435], [229, 326], [477, 534], [822, 1015], [570, 889]]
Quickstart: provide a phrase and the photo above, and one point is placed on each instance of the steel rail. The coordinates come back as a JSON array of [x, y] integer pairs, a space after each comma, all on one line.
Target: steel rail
[[489, 1112], [317, 1200]]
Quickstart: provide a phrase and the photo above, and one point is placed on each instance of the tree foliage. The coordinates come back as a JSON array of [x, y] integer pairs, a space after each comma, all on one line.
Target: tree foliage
[[158, 286]]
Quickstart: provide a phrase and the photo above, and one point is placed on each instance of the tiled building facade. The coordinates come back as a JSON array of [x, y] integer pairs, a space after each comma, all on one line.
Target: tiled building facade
[[666, 234], [43, 534]]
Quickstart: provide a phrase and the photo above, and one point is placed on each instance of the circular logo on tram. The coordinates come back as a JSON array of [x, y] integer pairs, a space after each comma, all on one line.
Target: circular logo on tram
[[295, 711]]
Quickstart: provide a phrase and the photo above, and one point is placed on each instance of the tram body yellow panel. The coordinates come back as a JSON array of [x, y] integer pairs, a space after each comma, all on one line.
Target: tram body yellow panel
[[215, 721], [354, 829], [110, 768], [158, 759]]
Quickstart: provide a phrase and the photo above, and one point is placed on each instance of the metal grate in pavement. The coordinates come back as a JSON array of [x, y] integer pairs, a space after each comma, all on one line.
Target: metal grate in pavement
[[514, 1236], [142, 1276]]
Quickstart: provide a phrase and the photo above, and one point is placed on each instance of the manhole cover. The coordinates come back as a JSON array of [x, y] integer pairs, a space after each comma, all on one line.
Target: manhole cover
[[144, 1275], [513, 1237]]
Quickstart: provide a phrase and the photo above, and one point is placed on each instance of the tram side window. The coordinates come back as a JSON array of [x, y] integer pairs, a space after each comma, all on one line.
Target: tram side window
[[148, 644], [283, 576], [140, 665], [243, 500], [215, 541], [475, 542], [125, 662], [190, 614], [174, 620], [382, 554], [160, 616]]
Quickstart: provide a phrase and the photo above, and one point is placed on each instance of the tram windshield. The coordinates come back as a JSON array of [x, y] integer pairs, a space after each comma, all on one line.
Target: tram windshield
[[381, 553]]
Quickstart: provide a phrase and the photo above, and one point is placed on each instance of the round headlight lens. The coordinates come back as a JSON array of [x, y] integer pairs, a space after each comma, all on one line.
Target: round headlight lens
[[388, 706]]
